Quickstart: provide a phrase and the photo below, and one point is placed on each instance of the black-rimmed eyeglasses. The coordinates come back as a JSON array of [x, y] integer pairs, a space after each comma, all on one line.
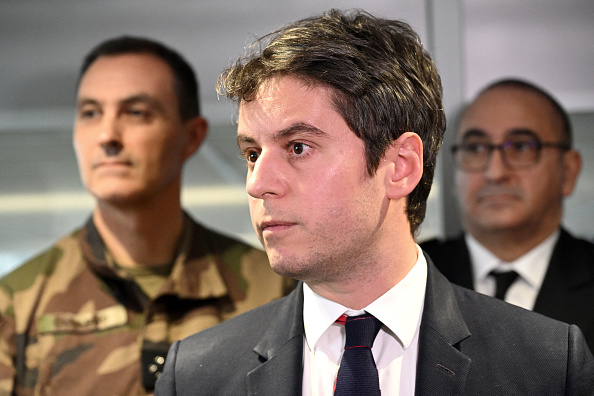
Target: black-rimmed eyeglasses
[[517, 152]]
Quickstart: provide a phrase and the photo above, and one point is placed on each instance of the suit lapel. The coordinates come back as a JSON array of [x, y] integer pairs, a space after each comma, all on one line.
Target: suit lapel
[[441, 368], [281, 350]]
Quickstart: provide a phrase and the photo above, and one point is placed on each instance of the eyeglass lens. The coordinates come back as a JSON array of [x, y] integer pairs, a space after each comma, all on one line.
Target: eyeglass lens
[[519, 150]]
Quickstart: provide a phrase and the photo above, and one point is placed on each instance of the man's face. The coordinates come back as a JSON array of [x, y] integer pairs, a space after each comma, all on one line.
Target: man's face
[[500, 199], [128, 136], [315, 209]]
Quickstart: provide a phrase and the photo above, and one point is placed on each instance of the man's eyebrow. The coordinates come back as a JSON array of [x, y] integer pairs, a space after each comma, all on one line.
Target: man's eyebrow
[[140, 98], [86, 101], [522, 132], [151, 101], [300, 128], [294, 129], [473, 132], [241, 138]]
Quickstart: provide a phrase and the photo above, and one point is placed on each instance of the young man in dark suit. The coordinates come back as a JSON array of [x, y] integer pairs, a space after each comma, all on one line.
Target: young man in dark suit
[[340, 121], [514, 166]]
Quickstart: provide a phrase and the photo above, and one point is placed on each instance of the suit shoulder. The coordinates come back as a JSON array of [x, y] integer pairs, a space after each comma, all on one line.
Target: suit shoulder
[[218, 359], [567, 239], [482, 311], [573, 259], [584, 247], [452, 259], [441, 246], [271, 320], [249, 324], [523, 352]]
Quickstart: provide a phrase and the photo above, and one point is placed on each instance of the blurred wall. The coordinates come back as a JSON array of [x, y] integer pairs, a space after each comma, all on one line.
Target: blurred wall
[[42, 44]]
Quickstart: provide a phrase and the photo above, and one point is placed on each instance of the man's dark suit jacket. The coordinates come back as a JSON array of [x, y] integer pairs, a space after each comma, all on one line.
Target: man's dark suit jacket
[[469, 344], [567, 292]]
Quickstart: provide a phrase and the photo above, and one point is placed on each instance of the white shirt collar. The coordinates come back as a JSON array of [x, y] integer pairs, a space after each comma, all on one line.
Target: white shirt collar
[[532, 266], [399, 309]]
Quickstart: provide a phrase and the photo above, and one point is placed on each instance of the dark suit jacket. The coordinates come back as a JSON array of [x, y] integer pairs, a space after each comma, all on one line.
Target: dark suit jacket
[[567, 292], [469, 344]]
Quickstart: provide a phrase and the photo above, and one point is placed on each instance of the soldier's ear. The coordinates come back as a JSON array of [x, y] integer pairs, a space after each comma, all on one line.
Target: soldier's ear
[[405, 160], [195, 129]]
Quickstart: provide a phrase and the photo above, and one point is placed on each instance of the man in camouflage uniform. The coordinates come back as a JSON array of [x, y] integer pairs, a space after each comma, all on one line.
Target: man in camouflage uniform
[[96, 313]]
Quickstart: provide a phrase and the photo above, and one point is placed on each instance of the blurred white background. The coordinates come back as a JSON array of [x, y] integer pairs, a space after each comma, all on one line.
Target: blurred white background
[[43, 43]]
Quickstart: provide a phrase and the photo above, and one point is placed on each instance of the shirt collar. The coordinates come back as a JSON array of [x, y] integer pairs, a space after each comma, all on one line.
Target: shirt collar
[[399, 309], [531, 266]]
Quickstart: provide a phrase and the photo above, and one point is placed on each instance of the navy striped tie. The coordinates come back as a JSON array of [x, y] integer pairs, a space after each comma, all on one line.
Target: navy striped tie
[[357, 375]]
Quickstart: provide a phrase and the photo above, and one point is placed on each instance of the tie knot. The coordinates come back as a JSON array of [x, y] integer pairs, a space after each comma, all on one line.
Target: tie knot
[[503, 281], [361, 330]]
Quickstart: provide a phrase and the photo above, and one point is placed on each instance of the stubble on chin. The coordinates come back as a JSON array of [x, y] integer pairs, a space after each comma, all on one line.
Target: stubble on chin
[[291, 266], [312, 269]]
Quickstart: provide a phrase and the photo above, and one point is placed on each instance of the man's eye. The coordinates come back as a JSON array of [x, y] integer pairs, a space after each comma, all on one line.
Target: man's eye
[[298, 148], [252, 156], [88, 114], [475, 148], [139, 113], [526, 145]]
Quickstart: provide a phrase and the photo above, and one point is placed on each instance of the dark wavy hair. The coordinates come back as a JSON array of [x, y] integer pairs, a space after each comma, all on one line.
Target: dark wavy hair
[[185, 82], [383, 82]]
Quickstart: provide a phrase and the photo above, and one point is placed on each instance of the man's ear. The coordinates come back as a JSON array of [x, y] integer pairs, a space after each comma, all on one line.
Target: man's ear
[[405, 165], [572, 164], [196, 129]]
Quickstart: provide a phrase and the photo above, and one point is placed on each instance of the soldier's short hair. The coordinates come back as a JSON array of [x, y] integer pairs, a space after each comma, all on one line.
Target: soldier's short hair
[[185, 81]]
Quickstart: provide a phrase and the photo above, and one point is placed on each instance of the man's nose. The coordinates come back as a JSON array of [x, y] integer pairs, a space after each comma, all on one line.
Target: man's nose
[[266, 178], [110, 136], [496, 166]]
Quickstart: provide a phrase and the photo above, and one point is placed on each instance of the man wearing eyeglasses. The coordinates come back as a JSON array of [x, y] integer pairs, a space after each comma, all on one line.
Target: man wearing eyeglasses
[[514, 166]]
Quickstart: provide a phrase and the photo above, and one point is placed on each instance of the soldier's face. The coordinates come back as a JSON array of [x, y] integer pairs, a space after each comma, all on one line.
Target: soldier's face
[[129, 139]]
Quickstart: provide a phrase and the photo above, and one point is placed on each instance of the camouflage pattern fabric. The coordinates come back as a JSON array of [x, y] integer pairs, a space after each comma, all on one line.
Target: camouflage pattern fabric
[[72, 323]]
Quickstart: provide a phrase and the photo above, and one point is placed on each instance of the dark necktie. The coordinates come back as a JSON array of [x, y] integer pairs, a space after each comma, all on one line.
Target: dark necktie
[[357, 375], [503, 280]]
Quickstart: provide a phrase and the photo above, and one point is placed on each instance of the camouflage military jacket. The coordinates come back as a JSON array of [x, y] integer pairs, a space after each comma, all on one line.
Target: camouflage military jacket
[[71, 323]]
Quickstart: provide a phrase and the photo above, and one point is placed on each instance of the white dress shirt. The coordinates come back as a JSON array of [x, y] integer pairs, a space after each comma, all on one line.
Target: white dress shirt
[[531, 269], [395, 348]]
